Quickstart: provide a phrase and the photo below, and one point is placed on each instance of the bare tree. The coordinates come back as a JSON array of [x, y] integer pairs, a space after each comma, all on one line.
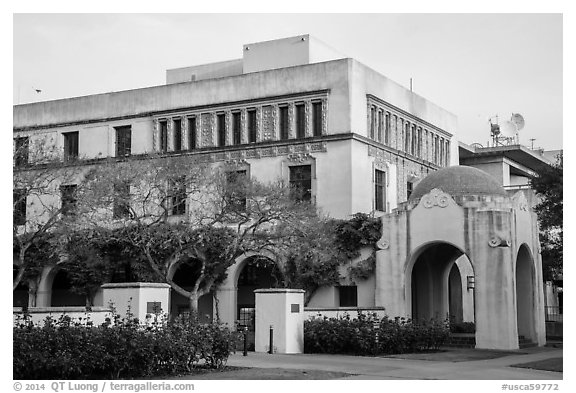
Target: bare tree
[[179, 210], [43, 202]]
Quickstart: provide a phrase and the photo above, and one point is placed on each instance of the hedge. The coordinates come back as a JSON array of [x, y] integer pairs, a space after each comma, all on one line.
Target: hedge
[[120, 348], [369, 335]]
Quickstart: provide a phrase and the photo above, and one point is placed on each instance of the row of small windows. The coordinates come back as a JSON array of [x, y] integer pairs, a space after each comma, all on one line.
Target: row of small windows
[[124, 133], [237, 131], [300, 181], [409, 137]]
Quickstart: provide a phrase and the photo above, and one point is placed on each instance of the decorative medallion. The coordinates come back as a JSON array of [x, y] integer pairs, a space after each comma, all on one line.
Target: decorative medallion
[[383, 244], [436, 197], [498, 241]]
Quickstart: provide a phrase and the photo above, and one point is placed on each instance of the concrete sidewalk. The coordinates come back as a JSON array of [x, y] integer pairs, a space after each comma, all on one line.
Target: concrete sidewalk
[[398, 368]]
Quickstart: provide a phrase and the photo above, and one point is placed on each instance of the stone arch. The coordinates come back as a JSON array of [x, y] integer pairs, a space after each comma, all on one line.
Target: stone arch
[[235, 270], [428, 273], [525, 294], [57, 283], [184, 273]]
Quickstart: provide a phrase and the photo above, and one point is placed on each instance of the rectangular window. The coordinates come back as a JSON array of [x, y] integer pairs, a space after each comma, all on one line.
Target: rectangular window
[[252, 125], [163, 136], [21, 151], [348, 295], [380, 124], [409, 187], [427, 148], [123, 141], [236, 191], [192, 133], [177, 131], [387, 129], [178, 196], [380, 190], [372, 121], [413, 140], [283, 122], [221, 126], [419, 145], [68, 195], [70, 146], [19, 204], [121, 207], [317, 118], [301, 182], [236, 128], [300, 120], [407, 137], [441, 151]]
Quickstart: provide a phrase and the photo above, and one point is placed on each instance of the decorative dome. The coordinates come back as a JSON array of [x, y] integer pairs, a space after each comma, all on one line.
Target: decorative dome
[[459, 181]]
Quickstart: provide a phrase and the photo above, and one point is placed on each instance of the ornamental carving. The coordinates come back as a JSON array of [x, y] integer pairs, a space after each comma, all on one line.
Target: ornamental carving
[[155, 135], [383, 244], [498, 241], [308, 118], [291, 121], [300, 157], [184, 132], [207, 138], [324, 117], [436, 197], [236, 163], [267, 123], [243, 127]]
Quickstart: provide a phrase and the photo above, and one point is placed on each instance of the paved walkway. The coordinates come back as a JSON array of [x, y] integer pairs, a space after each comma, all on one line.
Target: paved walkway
[[397, 368]]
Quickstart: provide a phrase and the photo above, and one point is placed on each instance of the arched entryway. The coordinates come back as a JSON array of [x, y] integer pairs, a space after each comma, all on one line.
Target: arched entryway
[[185, 275], [525, 296], [62, 295], [455, 301], [437, 278], [258, 272]]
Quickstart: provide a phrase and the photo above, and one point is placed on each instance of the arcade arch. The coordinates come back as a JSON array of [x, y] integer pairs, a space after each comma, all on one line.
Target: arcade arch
[[437, 283], [525, 294]]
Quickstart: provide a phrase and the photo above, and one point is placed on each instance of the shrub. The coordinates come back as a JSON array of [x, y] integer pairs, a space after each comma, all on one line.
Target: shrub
[[369, 335], [120, 348], [462, 327]]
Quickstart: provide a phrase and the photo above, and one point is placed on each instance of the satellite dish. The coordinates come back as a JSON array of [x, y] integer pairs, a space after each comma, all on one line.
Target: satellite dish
[[518, 120], [508, 129]]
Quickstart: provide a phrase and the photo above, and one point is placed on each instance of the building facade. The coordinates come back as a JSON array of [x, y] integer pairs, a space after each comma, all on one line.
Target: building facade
[[292, 109]]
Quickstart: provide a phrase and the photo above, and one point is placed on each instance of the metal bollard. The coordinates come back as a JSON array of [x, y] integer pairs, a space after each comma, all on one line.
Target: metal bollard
[[245, 341], [271, 350]]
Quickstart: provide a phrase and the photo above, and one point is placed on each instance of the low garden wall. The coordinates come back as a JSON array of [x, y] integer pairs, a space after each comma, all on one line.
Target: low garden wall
[[337, 312], [97, 315]]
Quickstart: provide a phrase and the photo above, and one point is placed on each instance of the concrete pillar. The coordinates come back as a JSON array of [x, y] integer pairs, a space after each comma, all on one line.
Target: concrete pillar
[[44, 293], [494, 291], [227, 305], [283, 309], [390, 264], [465, 268]]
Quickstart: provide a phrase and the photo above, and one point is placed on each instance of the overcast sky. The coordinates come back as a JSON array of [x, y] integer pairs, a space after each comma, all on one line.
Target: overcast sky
[[474, 65]]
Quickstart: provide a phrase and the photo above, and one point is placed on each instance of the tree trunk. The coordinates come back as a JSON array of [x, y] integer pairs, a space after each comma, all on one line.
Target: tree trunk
[[18, 279], [22, 267], [193, 299]]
